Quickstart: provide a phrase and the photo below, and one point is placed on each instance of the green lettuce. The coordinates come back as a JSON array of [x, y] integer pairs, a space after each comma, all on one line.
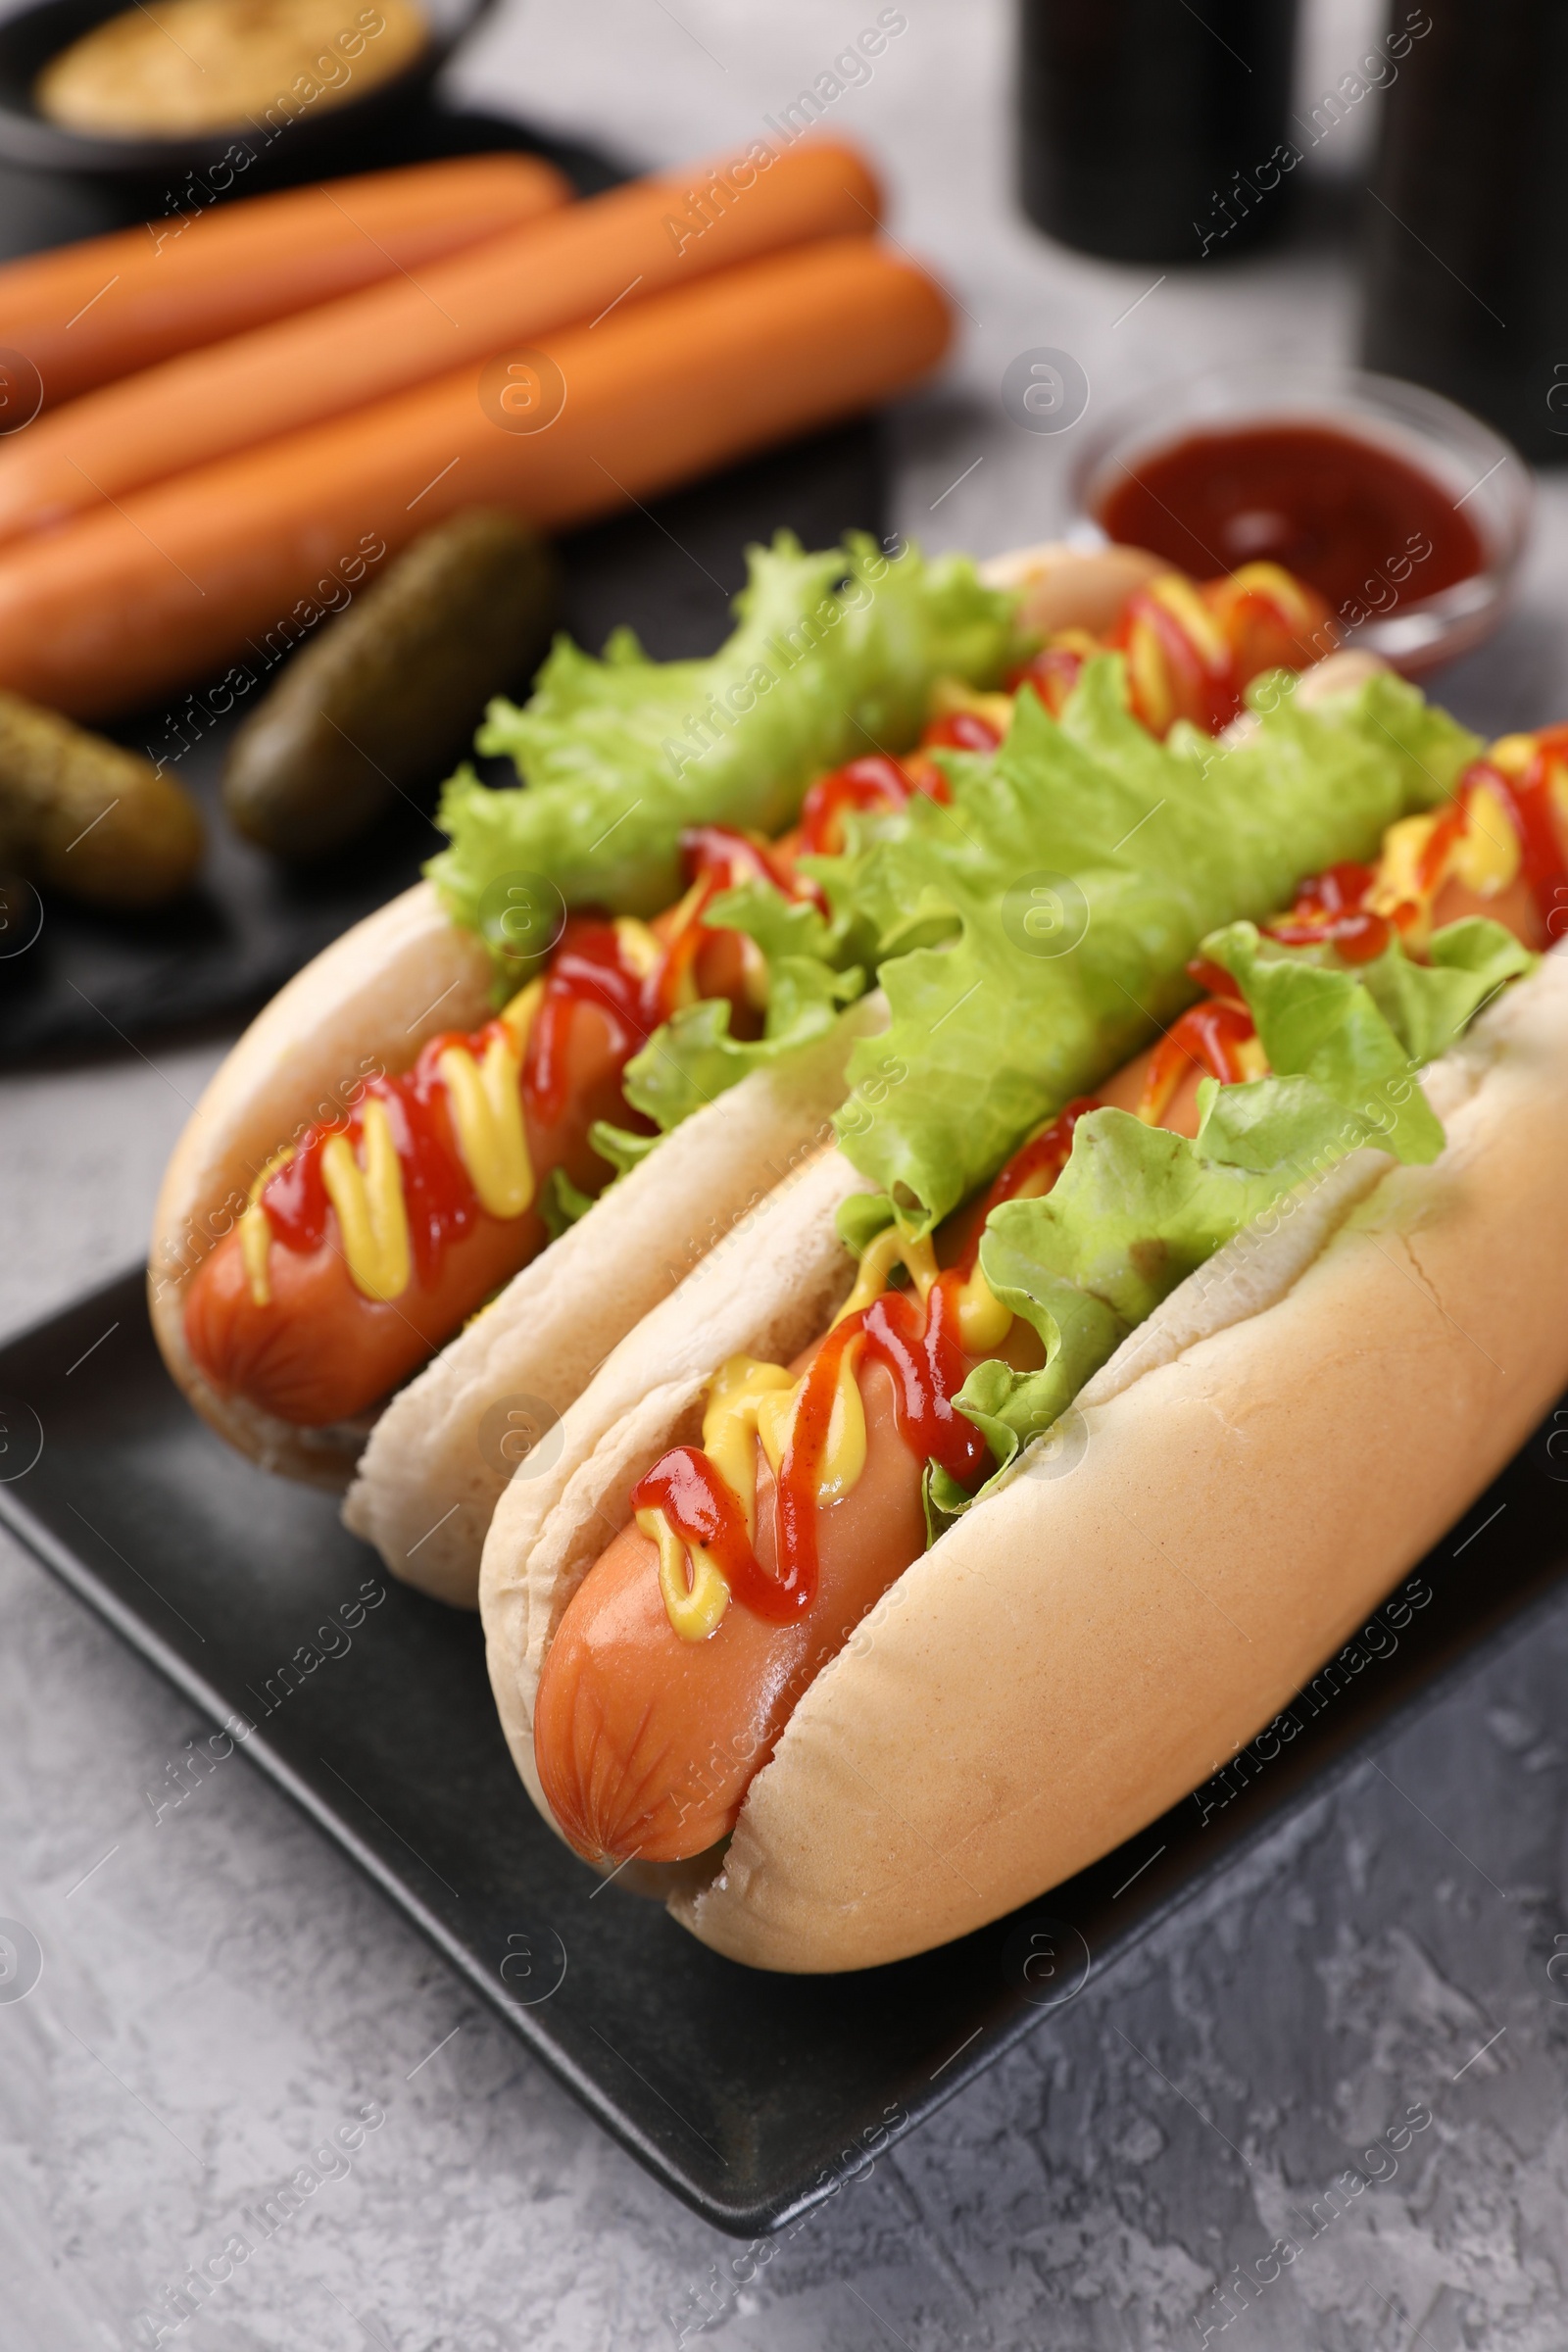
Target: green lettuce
[[1361, 1033], [622, 1147], [1429, 1005], [1326, 1024], [694, 1057], [562, 1203], [1138, 1209], [1033, 935], [833, 654]]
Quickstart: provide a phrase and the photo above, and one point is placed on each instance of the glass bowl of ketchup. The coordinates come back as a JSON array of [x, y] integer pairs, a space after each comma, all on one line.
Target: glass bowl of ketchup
[[1407, 513]]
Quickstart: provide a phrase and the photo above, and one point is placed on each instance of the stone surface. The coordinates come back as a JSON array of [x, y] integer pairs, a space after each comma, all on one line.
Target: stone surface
[[221, 1991]]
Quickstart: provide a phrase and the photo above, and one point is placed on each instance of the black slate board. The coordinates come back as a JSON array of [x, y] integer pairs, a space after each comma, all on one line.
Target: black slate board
[[750, 2097], [92, 980]]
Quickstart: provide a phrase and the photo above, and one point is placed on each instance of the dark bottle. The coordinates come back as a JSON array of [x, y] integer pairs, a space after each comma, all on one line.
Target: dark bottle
[[1155, 130], [1467, 223]]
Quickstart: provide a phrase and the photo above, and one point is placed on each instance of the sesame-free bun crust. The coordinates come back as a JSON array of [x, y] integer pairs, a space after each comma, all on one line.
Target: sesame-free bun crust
[[366, 1003], [1261, 1461]]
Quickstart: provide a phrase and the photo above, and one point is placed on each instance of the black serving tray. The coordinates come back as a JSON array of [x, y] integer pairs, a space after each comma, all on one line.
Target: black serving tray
[[752, 2096], [94, 981]]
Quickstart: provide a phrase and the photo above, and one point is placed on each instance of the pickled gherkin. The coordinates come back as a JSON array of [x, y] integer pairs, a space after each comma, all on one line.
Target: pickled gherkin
[[383, 701], [85, 816]]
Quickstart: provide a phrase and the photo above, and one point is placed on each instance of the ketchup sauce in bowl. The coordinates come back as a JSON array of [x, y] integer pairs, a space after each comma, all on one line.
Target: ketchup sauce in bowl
[[1408, 515]]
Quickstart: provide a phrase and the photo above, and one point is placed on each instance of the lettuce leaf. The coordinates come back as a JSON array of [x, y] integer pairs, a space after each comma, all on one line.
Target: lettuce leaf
[[1429, 1005], [1325, 1023], [694, 1057], [833, 653], [562, 1203], [1133, 1213], [1122, 853], [1362, 1034], [1079, 1332], [1136, 1209], [622, 1147]]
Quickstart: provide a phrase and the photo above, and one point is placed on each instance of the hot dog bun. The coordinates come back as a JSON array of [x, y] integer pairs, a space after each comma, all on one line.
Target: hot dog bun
[[368, 1001], [1248, 1476]]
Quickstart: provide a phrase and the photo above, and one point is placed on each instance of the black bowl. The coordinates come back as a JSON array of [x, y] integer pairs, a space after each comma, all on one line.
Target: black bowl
[[321, 137]]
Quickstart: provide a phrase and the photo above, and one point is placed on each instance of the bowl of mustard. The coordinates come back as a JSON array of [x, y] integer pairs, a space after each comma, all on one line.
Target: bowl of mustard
[[137, 87]]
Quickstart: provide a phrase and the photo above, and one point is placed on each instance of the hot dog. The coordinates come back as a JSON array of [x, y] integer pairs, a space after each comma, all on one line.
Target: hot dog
[[778, 1648], [377, 1161]]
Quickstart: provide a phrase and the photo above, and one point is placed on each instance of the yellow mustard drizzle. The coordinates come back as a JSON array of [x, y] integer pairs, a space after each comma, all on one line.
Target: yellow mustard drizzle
[[1183, 602], [518, 1016], [983, 1321], [1394, 883], [752, 1402], [256, 1232], [1145, 656], [951, 695], [844, 1451], [1515, 755], [368, 1201], [1073, 640], [638, 946], [731, 1424], [1145, 663], [891, 1248], [475, 1096], [1274, 581], [1485, 857], [486, 1106], [255, 1248], [695, 1595]]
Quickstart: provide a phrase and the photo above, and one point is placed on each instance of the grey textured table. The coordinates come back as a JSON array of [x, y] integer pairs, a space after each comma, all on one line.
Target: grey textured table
[[220, 1990]]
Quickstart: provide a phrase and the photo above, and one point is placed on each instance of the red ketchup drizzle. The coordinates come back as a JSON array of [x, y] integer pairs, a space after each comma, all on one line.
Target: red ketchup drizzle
[[1258, 633], [1329, 907], [921, 1350], [1052, 673], [703, 1508], [876, 782], [587, 968], [1211, 1034], [960, 731], [921, 1347], [1044, 1154], [1528, 800], [1208, 694], [438, 1194]]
